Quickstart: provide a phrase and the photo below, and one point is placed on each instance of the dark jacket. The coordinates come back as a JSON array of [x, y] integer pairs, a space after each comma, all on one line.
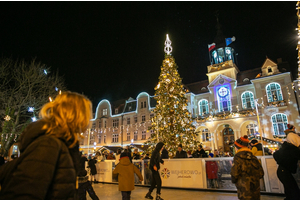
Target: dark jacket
[[92, 165], [164, 154], [200, 154], [136, 156], [181, 154], [46, 168], [287, 156], [245, 174], [155, 157]]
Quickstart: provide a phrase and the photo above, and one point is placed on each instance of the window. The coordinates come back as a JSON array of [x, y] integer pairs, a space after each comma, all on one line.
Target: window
[[128, 136], [279, 122], [104, 124], [128, 120], [151, 116], [203, 107], [205, 135], [115, 138], [203, 88], [224, 99], [135, 136], [143, 135], [251, 129], [116, 111], [104, 112], [247, 100], [143, 104], [143, 118], [135, 119], [269, 70], [99, 139], [115, 123], [92, 138], [104, 139], [274, 92]]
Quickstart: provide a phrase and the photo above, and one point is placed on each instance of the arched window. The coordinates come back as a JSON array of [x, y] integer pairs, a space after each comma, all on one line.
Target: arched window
[[246, 80], [203, 107], [247, 100], [274, 93], [279, 122], [251, 129], [206, 135]]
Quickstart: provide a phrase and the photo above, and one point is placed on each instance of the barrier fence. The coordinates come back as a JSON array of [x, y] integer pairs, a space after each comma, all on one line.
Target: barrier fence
[[198, 173]]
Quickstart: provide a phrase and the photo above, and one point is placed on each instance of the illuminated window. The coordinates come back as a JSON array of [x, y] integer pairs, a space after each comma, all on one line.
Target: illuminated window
[[279, 122], [247, 100], [104, 139], [203, 107], [104, 112], [205, 135], [143, 135], [224, 99], [251, 129], [115, 123], [99, 139], [135, 136], [274, 93], [115, 138], [92, 138], [128, 136]]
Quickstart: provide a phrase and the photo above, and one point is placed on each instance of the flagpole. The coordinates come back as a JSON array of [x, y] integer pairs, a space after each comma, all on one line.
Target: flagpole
[[209, 57]]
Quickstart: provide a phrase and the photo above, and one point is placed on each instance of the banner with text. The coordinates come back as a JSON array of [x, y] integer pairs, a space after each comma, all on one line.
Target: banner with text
[[104, 171], [178, 173]]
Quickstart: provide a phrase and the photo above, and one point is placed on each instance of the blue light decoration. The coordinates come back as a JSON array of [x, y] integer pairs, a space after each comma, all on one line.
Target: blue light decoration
[[56, 89], [224, 98], [45, 71], [33, 119]]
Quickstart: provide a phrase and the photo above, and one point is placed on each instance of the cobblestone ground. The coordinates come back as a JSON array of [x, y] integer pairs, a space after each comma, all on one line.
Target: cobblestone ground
[[111, 192]]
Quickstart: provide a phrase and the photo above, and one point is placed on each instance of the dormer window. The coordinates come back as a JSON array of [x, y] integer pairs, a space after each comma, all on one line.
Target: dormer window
[[270, 70], [203, 88], [116, 111], [129, 108], [104, 112], [143, 104], [246, 80]]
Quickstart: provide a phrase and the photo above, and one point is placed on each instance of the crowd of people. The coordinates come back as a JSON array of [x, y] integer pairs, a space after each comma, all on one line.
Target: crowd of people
[[50, 146]]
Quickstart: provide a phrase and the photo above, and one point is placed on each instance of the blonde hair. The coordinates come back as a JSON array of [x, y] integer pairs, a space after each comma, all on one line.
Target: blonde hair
[[67, 116]]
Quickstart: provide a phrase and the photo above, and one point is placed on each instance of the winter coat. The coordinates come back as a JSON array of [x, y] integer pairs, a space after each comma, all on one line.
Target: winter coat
[[126, 170], [257, 149], [164, 154], [181, 154], [155, 157], [136, 156], [245, 174], [211, 169], [46, 168], [200, 154], [287, 156], [92, 165]]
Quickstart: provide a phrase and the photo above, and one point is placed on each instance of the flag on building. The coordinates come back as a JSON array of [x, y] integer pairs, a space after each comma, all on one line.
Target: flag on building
[[211, 46], [229, 40]]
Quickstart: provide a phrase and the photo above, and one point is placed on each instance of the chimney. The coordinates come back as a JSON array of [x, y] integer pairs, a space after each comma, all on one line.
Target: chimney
[[279, 60]]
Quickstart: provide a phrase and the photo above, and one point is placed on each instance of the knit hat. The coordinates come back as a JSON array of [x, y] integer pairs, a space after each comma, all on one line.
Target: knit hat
[[124, 154], [241, 142], [180, 145], [211, 155]]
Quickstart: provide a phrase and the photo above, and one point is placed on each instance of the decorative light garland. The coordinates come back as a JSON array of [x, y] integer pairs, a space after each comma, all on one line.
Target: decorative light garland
[[298, 45]]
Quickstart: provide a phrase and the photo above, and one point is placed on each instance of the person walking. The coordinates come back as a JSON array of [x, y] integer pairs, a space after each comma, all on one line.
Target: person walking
[[155, 161], [180, 153], [84, 185], [287, 158], [246, 171], [49, 151], [125, 171]]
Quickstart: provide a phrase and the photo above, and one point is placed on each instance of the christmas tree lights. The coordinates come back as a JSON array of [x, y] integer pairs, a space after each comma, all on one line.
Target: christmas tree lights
[[298, 45], [172, 123]]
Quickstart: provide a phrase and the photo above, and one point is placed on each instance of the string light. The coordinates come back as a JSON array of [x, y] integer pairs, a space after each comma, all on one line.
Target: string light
[[298, 45]]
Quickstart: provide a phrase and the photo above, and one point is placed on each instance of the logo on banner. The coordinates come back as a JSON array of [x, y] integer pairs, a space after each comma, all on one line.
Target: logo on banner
[[165, 173]]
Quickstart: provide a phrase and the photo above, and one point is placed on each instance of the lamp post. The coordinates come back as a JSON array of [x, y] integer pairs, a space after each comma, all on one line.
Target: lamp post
[[259, 126]]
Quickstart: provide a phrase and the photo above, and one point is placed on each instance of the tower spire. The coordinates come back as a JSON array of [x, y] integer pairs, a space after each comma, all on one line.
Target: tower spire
[[168, 48]]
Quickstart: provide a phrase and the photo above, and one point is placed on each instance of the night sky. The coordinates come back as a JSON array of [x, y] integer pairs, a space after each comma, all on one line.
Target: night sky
[[114, 50]]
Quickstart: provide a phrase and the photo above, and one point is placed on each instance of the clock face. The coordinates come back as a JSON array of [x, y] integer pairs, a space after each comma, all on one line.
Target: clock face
[[223, 92], [221, 81]]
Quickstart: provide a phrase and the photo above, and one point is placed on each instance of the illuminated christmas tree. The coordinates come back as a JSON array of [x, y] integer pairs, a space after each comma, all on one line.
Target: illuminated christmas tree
[[172, 122]]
